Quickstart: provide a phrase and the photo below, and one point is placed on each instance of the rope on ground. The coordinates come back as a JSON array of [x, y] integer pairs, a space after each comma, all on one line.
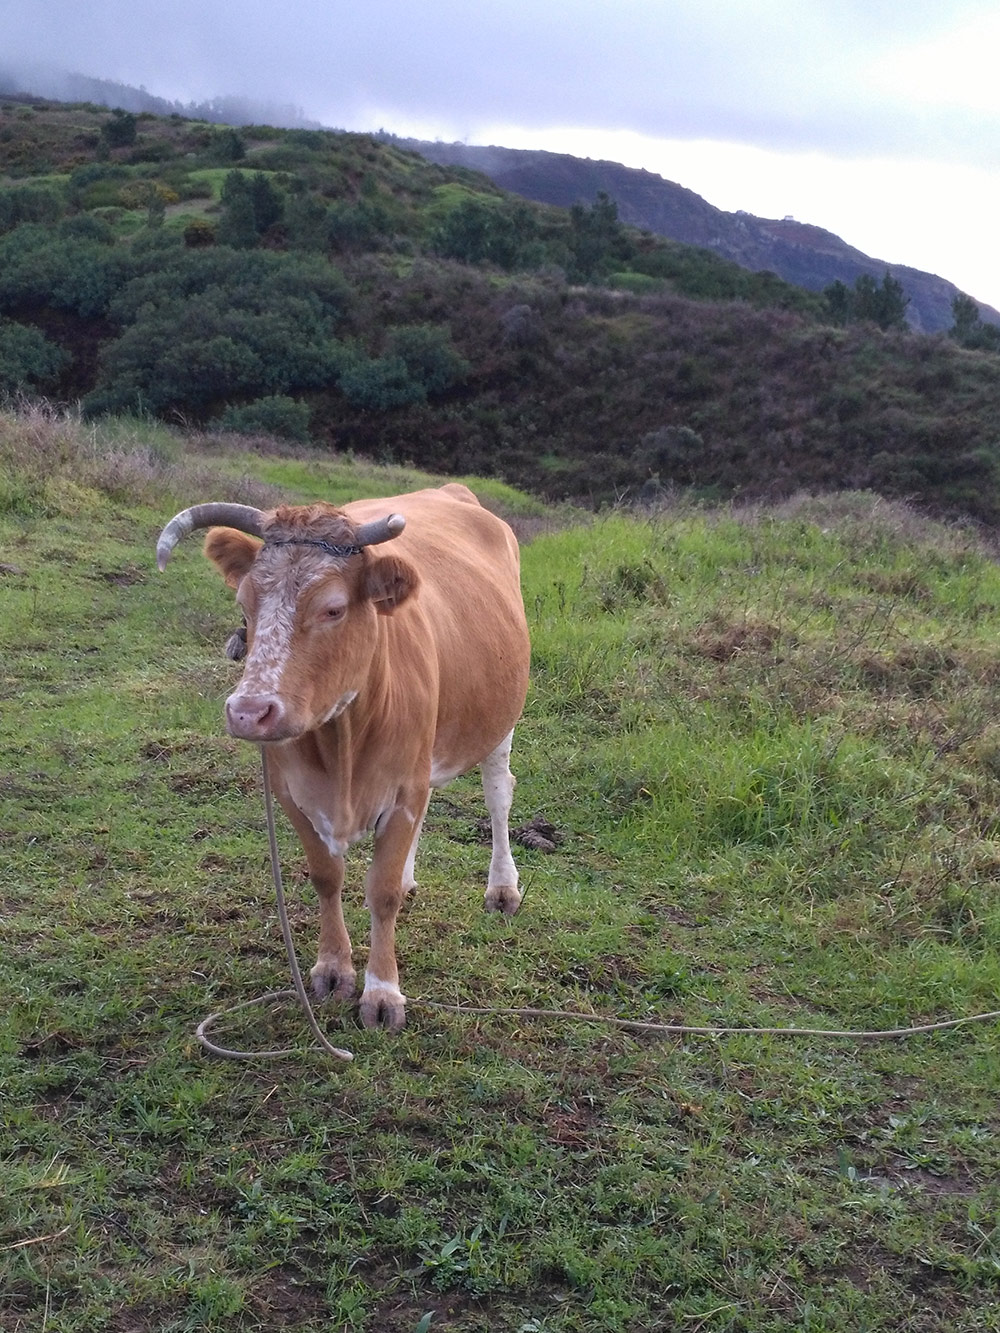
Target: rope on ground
[[563, 1015], [286, 931]]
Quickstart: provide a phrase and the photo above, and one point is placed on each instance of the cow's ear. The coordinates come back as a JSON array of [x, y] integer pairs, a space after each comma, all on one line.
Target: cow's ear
[[389, 581], [232, 551]]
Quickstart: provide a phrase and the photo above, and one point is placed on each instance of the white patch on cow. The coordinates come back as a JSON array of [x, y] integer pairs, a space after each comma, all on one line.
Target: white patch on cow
[[409, 869], [345, 700], [305, 797], [498, 789], [272, 642], [442, 774], [324, 831], [376, 986], [272, 634]]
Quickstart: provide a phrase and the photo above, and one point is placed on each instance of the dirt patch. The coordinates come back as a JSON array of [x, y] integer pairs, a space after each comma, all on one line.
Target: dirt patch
[[121, 578], [721, 643], [283, 1299]]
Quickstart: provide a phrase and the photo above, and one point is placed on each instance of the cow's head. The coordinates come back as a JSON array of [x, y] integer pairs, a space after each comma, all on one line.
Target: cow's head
[[311, 591]]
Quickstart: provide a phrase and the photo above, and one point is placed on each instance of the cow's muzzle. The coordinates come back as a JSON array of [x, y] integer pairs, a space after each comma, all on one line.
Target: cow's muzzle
[[256, 717]]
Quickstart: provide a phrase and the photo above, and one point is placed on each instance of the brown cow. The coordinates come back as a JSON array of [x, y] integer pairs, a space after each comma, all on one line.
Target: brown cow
[[373, 678]]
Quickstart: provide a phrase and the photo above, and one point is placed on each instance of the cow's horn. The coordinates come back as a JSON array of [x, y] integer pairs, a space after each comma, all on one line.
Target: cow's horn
[[216, 514], [380, 530]]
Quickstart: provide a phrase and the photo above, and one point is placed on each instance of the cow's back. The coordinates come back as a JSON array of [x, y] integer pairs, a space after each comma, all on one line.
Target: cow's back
[[469, 614]]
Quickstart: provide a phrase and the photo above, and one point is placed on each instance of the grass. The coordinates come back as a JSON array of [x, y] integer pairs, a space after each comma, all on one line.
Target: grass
[[768, 738]]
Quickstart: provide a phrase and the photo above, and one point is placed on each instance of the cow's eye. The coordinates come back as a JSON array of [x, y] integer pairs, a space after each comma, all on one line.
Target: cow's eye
[[334, 613]]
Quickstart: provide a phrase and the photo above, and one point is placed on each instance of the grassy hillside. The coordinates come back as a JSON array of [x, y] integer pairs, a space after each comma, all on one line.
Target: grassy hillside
[[767, 738], [338, 290]]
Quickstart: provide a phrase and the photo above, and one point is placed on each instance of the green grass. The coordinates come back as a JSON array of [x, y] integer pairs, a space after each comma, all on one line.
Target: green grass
[[769, 741]]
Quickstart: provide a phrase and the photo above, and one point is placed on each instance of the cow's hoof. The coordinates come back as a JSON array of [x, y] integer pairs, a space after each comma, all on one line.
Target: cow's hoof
[[327, 979], [502, 898], [382, 1010]]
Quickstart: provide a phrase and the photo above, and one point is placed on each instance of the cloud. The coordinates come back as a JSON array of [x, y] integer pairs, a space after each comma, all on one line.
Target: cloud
[[836, 75]]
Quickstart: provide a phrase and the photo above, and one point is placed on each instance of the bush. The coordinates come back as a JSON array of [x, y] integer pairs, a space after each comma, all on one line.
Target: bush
[[27, 358], [673, 453], [29, 203], [120, 130], [377, 385], [428, 355], [199, 233], [226, 146], [39, 266], [207, 327], [365, 225], [287, 418]]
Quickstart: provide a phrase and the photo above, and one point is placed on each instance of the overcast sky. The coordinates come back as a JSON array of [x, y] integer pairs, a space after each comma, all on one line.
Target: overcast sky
[[877, 119]]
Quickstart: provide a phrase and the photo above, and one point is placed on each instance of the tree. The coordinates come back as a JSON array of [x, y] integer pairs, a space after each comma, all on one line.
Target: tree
[[307, 219], [227, 146], [491, 231], [885, 304], [203, 329], [969, 330], [268, 203], [250, 207], [840, 302], [121, 130], [882, 303], [598, 241]]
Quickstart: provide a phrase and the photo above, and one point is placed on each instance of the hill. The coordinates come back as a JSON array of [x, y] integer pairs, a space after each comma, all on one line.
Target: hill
[[800, 253], [768, 741], [337, 289], [30, 83]]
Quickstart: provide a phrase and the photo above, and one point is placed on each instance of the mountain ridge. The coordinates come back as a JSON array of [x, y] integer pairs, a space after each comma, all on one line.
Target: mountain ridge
[[802, 253]]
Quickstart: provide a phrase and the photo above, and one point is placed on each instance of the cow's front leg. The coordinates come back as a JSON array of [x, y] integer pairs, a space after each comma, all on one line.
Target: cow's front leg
[[382, 1002], [334, 972]]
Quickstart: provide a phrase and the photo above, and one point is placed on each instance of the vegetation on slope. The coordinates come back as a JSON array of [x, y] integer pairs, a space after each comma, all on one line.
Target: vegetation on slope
[[331, 288], [768, 739]]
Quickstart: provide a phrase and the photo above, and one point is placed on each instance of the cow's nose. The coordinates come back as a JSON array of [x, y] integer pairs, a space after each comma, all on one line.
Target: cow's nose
[[254, 717]]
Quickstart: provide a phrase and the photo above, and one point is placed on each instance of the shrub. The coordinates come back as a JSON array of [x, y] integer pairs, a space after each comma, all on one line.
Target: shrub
[[638, 283], [199, 233], [27, 358], [120, 130], [379, 384], [29, 203], [42, 267], [287, 418], [365, 225], [428, 355], [672, 452], [207, 327], [226, 146]]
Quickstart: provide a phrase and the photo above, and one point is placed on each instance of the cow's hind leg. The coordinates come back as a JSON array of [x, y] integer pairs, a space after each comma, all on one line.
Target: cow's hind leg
[[409, 870], [502, 893]]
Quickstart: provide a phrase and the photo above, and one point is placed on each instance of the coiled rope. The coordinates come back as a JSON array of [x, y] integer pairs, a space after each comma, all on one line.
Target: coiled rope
[[630, 1024]]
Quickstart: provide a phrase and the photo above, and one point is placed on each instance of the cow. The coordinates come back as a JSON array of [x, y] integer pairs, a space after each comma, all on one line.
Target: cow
[[373, 677]]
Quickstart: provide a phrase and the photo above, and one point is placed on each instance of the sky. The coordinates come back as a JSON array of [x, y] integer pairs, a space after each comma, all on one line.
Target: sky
[[876, 119]]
